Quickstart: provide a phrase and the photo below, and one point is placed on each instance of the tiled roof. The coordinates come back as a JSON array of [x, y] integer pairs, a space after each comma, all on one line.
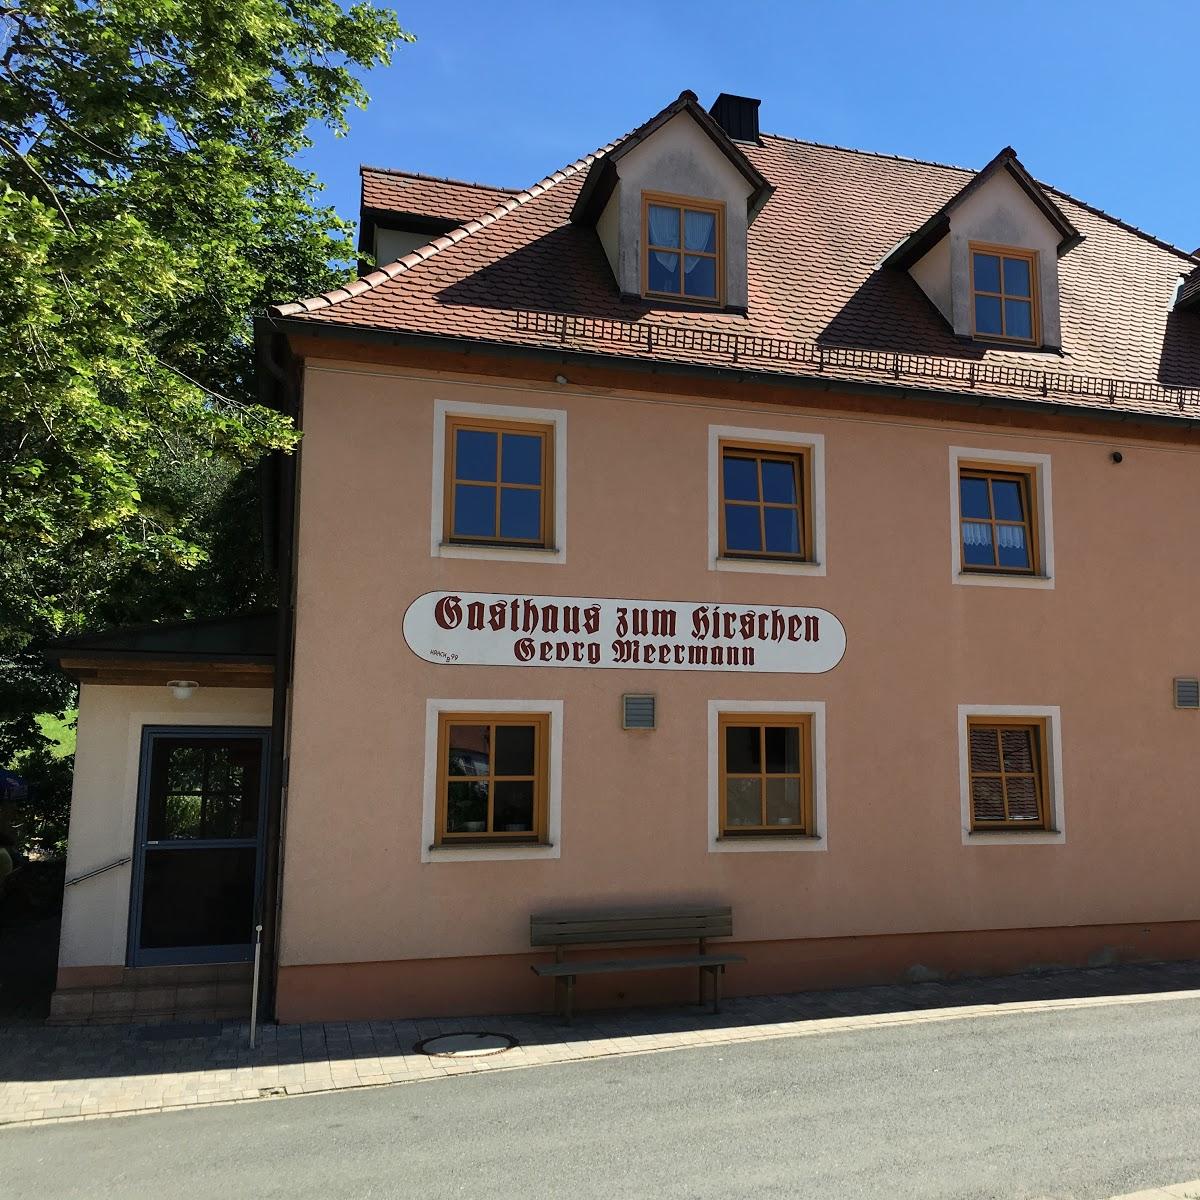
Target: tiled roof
[[1189, 291], [427, 195], [816, 285]]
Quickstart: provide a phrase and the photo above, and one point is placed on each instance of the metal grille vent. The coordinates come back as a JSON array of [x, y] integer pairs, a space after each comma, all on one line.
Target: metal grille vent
[[637, 712], [1187, 693]]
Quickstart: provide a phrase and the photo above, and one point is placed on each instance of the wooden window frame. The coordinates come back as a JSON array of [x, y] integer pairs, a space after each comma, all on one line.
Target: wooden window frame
[[1043, 780], [541, 780], [801, 721], [455, 423], [1034, 298], [800, 457], [1027, 477], [684, 203]]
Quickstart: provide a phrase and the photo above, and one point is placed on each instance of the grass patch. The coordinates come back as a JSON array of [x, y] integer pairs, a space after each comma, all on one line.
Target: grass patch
[[61, 730]]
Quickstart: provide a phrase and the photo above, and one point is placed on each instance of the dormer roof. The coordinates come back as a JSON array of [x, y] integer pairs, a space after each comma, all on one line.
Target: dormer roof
[[602, 175], [1189, 290], [928, 234]]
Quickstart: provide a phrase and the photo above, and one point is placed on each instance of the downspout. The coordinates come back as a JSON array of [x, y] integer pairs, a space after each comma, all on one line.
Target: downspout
[[281, 393]]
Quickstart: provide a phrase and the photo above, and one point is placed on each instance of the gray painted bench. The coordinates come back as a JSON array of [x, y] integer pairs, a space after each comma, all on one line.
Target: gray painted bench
[[621, 926]]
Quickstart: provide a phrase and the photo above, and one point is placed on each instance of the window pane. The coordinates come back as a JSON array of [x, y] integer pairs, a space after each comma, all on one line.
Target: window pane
[[521, 458], [466, 807], [1018, 318], [700, 231], [743, 802], [185, 769], [742, 531], [475, 454], [987, 799], [1017, 745], [783, 802], [985, 751], [973, 497], [514, 749], [468, 752], [783, 750], [1006, 496], [742, 750], [977, 545], [741, 478], [987, 273], [1016, 277], [223, 817], [783, 530], [1022, 799], [513, 802], [1012, 546], [227, 768], [521, 513], [474, 510], [700, 277], [987, 315], [779, 482], [663, 225], [663, 272], [181, 818]]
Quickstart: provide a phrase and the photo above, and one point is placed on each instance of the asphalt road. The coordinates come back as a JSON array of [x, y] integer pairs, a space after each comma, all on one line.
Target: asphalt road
[[1084, 1104]]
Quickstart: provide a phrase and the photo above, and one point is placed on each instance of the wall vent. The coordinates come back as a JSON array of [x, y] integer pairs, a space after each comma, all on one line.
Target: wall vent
[[1187, 693], [637, 712]]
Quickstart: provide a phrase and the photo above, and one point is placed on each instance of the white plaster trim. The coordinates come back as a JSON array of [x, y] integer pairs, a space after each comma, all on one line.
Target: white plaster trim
[[555, 417], [433, 710], [815, 444], [1051, 837], [720, 845], [1045, 519]]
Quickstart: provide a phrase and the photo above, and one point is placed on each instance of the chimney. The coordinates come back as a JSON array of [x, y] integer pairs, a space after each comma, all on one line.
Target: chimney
[[737, 115]]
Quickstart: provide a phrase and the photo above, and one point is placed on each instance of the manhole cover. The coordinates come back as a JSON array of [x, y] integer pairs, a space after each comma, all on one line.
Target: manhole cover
[[466, 1045]]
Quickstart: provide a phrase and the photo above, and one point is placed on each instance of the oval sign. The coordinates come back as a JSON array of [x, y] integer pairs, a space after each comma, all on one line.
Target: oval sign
[[487, 629]]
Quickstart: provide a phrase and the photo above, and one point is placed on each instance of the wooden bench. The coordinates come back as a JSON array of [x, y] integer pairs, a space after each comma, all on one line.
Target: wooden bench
[[622, 926]]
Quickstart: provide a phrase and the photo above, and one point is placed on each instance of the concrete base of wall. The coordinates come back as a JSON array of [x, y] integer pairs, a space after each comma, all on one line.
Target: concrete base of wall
[[504, 983]]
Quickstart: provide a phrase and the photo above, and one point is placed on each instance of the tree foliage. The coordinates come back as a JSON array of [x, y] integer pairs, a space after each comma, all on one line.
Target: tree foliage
[[150, 202]]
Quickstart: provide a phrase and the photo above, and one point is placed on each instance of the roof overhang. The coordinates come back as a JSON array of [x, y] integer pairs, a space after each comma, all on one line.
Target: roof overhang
[[922, 240], [603, 174]]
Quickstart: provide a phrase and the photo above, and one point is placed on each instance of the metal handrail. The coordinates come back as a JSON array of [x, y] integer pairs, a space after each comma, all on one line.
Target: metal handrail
[[120, 862]]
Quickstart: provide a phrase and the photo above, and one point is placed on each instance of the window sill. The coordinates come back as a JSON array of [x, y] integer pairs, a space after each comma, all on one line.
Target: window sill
[[500, 552], [757, 842], [768, 566], [1004, 579], [489, 852], [440, 847], [1013, 837]]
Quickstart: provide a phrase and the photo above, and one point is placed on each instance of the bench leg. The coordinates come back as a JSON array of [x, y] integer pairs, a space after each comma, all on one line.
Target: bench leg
[[715, 974], [558, 995]]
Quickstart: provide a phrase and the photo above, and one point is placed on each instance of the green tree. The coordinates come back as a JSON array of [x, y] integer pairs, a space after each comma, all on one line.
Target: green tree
[[150, 202]]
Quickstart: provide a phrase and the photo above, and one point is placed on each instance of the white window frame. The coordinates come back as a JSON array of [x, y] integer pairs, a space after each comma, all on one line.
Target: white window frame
[[431, 853], [556, 418], [1051, 714], [782, 439], [749, 843], [1045, 519]]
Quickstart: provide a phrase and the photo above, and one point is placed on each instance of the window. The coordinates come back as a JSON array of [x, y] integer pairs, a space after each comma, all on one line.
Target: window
[[997, 524], [492, 778], [1007, 766], [498, 482], [766, 774], [1004, 293], [682, 240], [764, 507]]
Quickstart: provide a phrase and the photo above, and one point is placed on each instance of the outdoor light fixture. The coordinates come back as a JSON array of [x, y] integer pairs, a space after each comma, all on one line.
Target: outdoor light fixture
[[560, 379], [182, 689]]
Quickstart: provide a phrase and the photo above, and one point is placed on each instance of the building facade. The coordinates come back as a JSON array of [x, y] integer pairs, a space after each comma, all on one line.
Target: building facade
[[725, 520]]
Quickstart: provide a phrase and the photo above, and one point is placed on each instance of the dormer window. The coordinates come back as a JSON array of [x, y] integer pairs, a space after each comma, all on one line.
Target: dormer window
[[1003, 285], [682, 240]]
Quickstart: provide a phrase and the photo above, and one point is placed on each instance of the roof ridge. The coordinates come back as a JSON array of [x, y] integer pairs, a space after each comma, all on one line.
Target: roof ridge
[[920, 162], [1162, 243], [489, 187], [415, 257]]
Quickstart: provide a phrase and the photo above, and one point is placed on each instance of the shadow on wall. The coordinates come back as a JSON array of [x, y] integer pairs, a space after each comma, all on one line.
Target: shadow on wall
[[30, 915]]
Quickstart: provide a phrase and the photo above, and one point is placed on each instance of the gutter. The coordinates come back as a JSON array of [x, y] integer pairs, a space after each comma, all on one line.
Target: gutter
[[469, 347]]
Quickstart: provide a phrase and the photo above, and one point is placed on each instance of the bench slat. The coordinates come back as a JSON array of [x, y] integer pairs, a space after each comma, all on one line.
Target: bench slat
[[634, 964], [562, 929]]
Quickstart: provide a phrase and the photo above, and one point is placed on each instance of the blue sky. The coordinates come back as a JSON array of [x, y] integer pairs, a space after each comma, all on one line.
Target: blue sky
[[1098, 98]]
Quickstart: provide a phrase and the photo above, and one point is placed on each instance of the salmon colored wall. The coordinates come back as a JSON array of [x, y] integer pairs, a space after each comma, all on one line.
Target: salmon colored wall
[[1103, 645]]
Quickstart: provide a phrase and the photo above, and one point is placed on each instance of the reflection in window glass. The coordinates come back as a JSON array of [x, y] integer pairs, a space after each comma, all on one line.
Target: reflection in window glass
[[1003, 295], [995, 520], [498, 485], [764, 774], [763, 505]]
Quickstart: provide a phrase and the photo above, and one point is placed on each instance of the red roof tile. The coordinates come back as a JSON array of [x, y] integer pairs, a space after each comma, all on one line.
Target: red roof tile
[[427, 195], [818, 295]]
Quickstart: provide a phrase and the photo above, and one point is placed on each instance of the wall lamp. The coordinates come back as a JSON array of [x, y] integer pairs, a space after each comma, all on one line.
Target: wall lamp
[[182, 689]]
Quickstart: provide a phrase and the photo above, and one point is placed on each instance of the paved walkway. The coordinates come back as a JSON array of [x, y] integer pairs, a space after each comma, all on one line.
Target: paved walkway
[[86, 1073]]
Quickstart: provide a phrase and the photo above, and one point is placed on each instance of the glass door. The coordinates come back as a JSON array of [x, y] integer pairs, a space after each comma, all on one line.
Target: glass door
[[199, 853]]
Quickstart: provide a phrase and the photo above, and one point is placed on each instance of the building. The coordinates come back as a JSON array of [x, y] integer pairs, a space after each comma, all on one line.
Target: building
[[723, 519]]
